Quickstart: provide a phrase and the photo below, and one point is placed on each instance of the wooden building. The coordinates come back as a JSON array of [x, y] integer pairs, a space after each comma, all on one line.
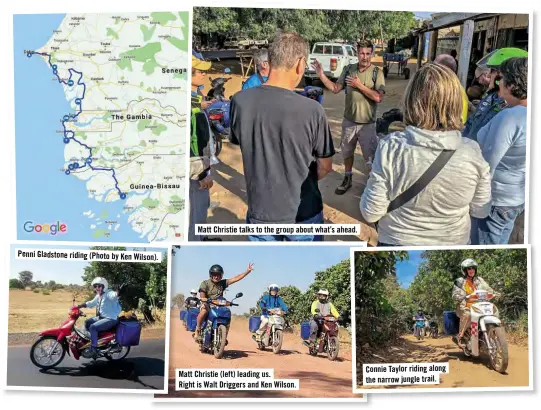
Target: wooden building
[[479, 34]]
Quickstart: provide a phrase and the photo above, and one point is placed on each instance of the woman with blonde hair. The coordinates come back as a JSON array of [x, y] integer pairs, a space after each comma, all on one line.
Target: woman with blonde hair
[[428, 181]]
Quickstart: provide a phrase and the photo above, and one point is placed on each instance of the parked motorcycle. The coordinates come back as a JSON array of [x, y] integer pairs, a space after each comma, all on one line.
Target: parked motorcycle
[[218, 111], [214, 330], [486, 334], [53, 344], [327, 340], [273, 332]]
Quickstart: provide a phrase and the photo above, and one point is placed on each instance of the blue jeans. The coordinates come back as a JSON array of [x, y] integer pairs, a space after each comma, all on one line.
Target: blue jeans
[[495, 229], [318, 219], [95, 325]]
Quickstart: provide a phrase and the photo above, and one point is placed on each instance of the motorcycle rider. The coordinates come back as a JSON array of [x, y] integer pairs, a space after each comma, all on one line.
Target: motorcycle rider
[[463, 290], [269, 302], [107, 310], [214, 288], [419, 316], [326, 308], [192, 301], [492, 102]]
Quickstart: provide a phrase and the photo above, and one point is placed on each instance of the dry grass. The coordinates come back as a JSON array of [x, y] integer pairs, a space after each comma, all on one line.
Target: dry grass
[[33, 312]]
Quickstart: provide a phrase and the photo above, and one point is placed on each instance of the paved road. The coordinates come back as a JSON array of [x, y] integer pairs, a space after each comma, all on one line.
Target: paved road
[[143, 369]]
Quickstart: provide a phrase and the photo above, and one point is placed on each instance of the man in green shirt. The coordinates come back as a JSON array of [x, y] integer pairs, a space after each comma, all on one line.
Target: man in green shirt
[[365, 88], [214, 288]]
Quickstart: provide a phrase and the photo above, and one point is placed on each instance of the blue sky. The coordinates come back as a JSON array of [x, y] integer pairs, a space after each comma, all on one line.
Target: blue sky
[[423, 14], [61, 271], [406, 270], [283, 265]]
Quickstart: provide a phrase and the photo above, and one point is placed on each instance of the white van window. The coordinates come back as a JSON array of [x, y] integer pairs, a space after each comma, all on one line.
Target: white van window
[[338, 50]]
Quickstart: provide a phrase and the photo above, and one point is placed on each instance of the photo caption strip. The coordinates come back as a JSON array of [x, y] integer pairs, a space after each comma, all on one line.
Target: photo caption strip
[[232, 379], [278, 229], [393, 374], [89, 255]]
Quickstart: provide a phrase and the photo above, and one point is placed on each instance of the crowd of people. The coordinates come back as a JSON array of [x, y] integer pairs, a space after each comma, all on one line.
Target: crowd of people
[[454, 174]]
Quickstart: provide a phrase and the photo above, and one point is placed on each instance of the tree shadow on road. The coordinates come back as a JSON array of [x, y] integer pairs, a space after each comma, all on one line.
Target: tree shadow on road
[[235, 182], [130, 369]]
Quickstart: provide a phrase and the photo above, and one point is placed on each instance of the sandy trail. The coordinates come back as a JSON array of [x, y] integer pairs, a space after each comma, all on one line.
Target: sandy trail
[[318, 377], [463, 371]]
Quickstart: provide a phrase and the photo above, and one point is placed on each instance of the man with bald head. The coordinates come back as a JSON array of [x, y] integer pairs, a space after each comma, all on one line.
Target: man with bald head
[[449, 62]]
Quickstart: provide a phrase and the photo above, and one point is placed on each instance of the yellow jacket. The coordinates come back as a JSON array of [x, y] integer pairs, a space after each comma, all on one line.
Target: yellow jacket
[[324, 309]]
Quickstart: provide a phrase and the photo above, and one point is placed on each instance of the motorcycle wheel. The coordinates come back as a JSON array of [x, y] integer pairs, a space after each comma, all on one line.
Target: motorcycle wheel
[[219, 345], [333, 346], [125, 350], [277, 342], [37, 344], [497, 336]]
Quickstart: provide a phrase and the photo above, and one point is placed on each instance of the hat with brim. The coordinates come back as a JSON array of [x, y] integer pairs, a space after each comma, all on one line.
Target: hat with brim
[[200, 64]]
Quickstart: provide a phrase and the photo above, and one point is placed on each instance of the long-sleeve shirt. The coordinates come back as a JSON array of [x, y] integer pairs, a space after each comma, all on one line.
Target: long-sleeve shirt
[[503, 144], [325, 309], [268, 302], [440, 214], [107, 305]]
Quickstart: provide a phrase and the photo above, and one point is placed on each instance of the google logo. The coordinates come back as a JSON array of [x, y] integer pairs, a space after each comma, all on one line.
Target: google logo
[[58, 227]]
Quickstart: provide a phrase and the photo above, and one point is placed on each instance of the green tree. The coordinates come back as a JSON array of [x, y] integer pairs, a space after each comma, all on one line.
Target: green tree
[[178, 300], [15, 284], [26, 278], [136, 276]]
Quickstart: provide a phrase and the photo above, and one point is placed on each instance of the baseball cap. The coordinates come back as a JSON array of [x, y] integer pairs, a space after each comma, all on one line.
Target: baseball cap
[[200, 65]]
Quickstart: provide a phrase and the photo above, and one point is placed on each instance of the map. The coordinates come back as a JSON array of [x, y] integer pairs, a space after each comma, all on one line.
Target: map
[[101, 108]]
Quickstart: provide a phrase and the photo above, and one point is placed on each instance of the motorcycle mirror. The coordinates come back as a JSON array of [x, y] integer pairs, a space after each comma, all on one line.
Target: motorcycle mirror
[[239, 295]]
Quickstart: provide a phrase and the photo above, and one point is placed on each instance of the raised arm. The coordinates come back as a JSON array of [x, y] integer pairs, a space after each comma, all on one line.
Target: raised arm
[[333, 87], [240, 276]]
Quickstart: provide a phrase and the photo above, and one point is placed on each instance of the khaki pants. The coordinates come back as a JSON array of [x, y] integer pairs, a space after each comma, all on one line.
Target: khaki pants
[[465, 319], [364, 134]]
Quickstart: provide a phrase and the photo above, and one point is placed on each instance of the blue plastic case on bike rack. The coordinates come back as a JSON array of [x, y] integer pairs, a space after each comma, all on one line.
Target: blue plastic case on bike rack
[[254, 323], [191, 319], [305, 330], [451, 323]]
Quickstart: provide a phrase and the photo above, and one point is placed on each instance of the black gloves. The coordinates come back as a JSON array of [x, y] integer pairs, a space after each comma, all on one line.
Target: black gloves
[[82, 305]]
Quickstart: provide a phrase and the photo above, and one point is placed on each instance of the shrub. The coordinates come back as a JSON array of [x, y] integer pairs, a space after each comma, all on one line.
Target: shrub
[[15, 284], [45, 292]]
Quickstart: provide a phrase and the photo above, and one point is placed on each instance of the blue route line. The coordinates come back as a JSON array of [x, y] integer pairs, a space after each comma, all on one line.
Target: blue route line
[[70, 135]]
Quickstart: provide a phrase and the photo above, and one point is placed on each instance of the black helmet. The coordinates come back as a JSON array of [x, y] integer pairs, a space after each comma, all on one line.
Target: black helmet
[[216, 269]]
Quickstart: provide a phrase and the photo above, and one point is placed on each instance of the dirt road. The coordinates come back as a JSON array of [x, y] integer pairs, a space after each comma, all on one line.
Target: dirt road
[[318, 377], [228, 196], [463, 371]]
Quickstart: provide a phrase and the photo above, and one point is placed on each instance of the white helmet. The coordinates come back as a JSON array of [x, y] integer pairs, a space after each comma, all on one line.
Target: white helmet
[[100, 281], [468, 263], [193, 291], [274, 286], [323, 292]]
